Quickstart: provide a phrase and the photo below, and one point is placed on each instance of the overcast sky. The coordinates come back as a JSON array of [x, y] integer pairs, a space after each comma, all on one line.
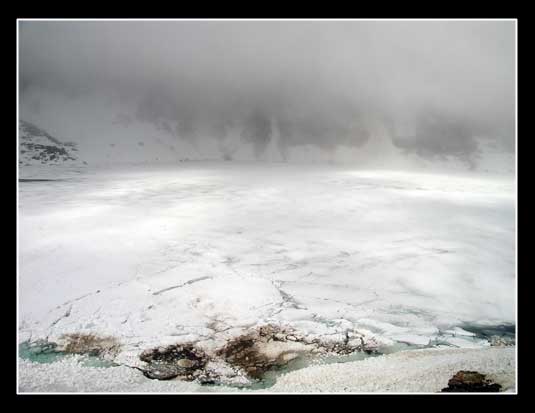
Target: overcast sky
[[419, 79]]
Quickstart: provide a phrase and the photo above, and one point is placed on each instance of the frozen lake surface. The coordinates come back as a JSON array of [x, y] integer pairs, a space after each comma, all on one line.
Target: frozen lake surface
[[204, 251]]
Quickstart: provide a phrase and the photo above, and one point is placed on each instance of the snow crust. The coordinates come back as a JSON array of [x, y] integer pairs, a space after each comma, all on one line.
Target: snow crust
[[408, 371], [423, 371]]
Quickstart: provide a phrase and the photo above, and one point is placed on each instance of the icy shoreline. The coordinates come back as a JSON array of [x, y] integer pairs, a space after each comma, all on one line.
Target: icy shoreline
[[407, 371], [253, 359]]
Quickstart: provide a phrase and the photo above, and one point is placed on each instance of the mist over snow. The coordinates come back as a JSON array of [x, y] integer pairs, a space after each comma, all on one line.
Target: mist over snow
[[211, 204], [365, 92]]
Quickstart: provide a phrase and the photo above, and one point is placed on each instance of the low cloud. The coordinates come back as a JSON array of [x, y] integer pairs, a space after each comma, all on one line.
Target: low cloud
[[432, 85]]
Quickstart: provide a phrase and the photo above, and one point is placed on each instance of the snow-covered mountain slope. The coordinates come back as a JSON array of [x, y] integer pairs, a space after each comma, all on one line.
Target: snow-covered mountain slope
[[106, 132], [38, 147], [111, 132], [128, 141]]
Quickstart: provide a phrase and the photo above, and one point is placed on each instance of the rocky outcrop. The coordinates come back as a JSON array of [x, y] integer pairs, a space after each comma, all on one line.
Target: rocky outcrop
[[37, 146], [164, 363], [262, 350], [243, 358], [471, 381]]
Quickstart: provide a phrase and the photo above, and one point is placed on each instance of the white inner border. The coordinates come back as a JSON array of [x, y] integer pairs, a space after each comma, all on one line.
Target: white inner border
[[271, 20]]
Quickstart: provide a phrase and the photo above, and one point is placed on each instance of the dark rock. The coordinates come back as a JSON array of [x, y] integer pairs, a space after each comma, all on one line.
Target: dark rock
[[471, 381], [243, 352], [161, 371], [165, 363]]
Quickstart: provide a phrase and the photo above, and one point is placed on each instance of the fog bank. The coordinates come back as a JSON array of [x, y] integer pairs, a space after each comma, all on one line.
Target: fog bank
[[429, 87]]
